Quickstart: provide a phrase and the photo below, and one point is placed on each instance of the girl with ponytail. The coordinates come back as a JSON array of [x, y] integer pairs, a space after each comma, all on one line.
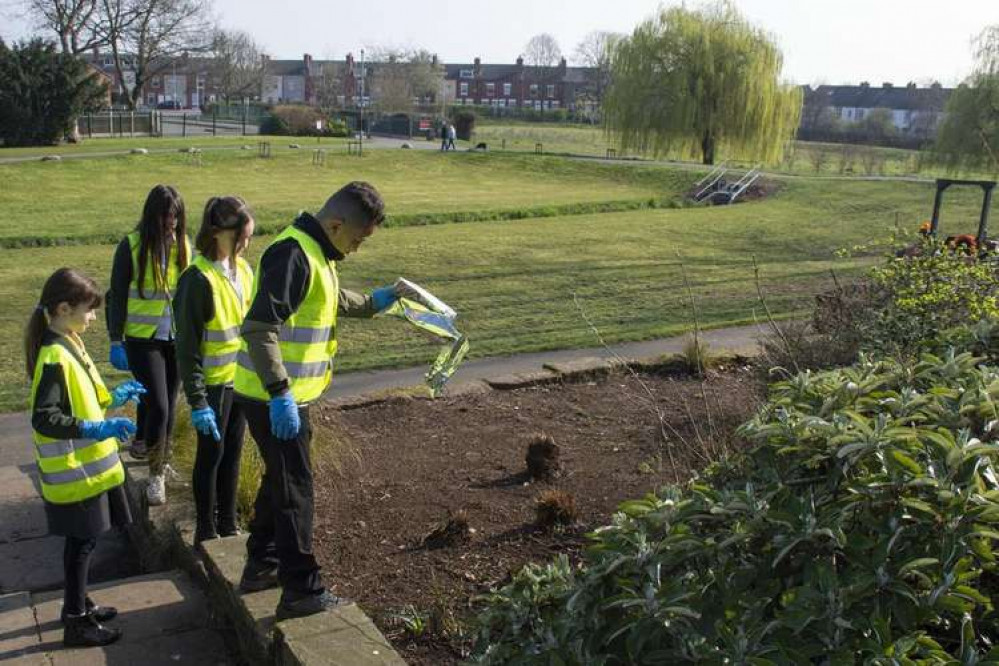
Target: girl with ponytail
[[76, 446], [213, 295]]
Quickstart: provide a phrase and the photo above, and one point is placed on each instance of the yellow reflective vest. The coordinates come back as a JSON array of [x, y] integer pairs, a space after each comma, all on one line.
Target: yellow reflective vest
[[148, 308], [220, 343], [72, 470], [308, 338]]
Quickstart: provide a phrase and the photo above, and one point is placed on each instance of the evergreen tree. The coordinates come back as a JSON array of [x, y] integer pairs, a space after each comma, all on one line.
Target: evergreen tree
[[42, 92]]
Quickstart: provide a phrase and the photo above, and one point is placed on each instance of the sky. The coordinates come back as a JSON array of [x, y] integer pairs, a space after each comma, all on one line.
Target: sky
[[823, 41]]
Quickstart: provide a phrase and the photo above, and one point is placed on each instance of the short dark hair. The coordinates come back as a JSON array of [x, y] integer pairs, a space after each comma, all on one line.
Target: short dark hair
[[356, 203]]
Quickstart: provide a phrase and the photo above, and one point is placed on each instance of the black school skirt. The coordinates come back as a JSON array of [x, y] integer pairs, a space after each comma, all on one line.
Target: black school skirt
[[91, 517]]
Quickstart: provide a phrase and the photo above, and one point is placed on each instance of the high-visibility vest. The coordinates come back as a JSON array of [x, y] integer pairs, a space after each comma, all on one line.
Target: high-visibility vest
[[220, 343], [146, 310], [72, 470], [308, 338]]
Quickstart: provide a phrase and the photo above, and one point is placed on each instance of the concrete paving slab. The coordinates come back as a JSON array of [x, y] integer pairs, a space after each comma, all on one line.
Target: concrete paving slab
[[517, 380], [19, 639], [21, 507], [31, 564], [344, 637], [164, 618], [15, 431], [588, 366]]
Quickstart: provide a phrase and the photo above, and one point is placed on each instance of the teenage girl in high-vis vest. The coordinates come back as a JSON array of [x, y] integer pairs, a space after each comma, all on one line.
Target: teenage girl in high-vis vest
[[144, 276], [76, 450], [212, 297]]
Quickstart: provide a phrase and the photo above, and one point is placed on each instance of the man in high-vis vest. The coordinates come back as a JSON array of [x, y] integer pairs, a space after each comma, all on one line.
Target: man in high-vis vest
[[284, 365]]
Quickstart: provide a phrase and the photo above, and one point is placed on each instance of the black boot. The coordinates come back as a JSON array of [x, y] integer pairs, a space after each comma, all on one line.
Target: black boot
[[86, 631], [102, 613]]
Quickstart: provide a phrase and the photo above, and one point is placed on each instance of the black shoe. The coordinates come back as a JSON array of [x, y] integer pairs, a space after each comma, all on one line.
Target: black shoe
[[258, 576], [138, 450], [228, 529], [102, 613], [86, 631], [204, 535], [309, 605]]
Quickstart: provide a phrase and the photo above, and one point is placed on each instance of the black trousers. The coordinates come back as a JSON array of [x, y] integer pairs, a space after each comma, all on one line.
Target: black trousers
[[216, 466], [154, 364], [76, 565], [281, 529]]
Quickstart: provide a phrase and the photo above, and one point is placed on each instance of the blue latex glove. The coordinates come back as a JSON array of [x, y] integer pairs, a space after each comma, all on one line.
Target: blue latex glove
[[118, 427], [118, 357], [284, 416], [383, 297], [126, 392], [205, 423]]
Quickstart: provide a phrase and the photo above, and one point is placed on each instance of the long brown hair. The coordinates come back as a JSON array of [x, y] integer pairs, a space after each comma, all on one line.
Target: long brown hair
[[221, 214], [163, 201], [66, 285]]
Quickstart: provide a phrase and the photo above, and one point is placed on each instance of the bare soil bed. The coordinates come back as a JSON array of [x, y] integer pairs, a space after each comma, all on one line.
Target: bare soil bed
[[405, 466]]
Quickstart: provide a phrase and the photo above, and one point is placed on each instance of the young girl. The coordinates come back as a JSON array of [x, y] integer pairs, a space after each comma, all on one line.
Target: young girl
[[78, 467], [213, 294], [144, 276]]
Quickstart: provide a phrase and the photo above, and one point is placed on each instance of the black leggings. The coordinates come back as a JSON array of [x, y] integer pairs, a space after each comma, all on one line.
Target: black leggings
[[216, 466], [154, 364], [76, 565]]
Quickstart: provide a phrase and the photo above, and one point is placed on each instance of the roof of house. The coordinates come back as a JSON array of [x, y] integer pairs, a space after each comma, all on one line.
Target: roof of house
[[285, 67], [888, 97]]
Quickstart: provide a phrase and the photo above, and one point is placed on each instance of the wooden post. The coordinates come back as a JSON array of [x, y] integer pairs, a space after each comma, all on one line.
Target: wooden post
[[131, 124], [184, 126], [214, 115]]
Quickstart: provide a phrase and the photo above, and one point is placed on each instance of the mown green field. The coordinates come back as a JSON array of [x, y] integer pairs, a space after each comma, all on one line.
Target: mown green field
[[513, 281], [98, 200], [207, 142]]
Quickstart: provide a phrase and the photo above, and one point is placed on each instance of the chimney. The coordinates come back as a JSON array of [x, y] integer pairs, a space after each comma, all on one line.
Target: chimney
[[520, 61], [865, 84], [911, 85], [478, 66], [887, 85], [307, 58], [433, 60], [562, 66]]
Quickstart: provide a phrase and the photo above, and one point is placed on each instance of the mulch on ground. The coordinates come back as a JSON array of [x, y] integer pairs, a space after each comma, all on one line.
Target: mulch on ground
[[406, 466]]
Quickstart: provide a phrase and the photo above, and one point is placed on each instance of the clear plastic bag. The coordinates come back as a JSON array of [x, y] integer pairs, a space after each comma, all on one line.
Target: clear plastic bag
[[427, 312]]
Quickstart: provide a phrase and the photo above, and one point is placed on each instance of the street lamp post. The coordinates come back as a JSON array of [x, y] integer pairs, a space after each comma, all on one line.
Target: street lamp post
[[361, 146]]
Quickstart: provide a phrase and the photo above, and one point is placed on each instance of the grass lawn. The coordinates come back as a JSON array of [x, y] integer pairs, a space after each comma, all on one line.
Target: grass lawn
[[104, 145], [808, 158], [513, 281], [97, 201]]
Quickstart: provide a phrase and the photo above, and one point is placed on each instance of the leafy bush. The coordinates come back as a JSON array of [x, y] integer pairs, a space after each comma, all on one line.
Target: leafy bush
[[859, 528], [464, 124], [927, 294], [275, 126]]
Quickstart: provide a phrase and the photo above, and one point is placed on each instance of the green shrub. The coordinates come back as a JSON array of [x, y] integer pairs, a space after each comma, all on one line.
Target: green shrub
[[859, 528], [464, 124]]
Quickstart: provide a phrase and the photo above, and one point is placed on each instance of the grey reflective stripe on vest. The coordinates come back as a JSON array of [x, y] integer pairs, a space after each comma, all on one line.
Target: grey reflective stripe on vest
[[222, 336], [152, 320], [218, 360], [314, 369], [80, 473], [297, 370], [306, 335], [154, 296], [63, 447]]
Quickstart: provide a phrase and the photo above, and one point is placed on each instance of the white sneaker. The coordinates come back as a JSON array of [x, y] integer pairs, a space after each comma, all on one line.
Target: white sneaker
[[156, 490]]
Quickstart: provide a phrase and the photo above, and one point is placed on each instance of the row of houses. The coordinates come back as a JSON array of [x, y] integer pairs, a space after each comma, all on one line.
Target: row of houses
[[191, 82]]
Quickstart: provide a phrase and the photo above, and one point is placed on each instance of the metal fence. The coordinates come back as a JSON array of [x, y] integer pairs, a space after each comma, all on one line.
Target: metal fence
[[159, 123], [118, 123]]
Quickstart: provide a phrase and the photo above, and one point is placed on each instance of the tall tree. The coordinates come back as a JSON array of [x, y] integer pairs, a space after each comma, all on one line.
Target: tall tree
[[42, 92], [698, 81], [595, 52], [543, 54], [74, 22], [237, 64], [404, 76], [969, 134], [149, 37]]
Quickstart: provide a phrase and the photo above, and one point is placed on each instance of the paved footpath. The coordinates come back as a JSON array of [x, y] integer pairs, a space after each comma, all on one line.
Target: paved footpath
[[164, 615]]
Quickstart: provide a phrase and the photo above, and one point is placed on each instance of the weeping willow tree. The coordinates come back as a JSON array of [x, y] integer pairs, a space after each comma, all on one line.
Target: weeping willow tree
[[968, 138], [700, 82]]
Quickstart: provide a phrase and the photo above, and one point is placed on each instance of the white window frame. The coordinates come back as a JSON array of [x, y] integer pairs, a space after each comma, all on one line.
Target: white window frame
[[507, 89], [490, 89], [463, 89], [550, 91]]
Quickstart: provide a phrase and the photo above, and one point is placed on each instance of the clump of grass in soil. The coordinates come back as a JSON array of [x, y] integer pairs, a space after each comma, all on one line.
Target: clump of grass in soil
[[555, 508], [453, 531], [543, 458]]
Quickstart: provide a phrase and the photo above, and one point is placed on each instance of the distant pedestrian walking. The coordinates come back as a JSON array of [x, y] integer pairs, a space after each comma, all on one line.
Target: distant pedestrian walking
[[452, 134], [444, 135]]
